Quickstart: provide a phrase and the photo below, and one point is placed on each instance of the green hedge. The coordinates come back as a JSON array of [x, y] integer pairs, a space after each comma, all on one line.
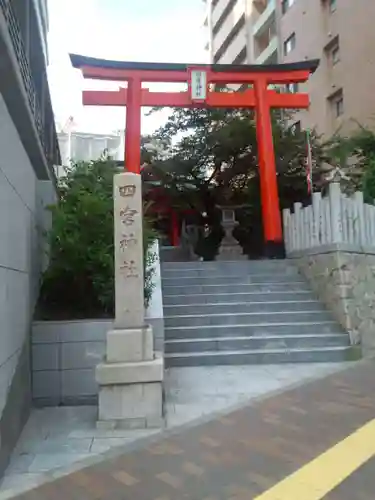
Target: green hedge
[[79, 282]]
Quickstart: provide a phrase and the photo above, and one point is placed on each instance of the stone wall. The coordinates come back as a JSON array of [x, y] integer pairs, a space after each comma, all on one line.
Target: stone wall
[[343, 276], [23, 219]]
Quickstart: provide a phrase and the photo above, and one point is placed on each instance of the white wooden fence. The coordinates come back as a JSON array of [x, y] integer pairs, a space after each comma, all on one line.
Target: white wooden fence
[[334, 219]]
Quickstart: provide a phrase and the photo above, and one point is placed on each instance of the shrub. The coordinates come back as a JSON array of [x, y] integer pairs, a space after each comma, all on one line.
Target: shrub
[[79, 282]]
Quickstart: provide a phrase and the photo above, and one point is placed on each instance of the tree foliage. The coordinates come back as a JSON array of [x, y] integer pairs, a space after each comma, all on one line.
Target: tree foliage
[[354, 154], [216, 149], [79, 281], [211, 158]]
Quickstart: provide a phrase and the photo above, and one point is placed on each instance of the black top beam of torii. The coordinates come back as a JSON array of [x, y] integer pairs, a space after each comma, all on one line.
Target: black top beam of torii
[[78, 61]]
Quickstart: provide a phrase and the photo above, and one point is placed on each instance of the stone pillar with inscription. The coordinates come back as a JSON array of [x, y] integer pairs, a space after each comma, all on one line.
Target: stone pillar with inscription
[[130, 378]]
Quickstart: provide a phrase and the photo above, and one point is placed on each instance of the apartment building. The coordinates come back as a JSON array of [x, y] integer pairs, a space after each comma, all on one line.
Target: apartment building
[[242, 31], [29, 151], [341, 34], [338, 32], [85, 146]]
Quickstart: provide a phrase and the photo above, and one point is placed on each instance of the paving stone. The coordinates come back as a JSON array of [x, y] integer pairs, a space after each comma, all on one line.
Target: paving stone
[[239, 455], [191, 394], [100, 445], [47, 461]]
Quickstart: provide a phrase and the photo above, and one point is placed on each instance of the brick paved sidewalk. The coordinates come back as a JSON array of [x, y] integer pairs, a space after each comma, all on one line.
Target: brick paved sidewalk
[[241, 455]]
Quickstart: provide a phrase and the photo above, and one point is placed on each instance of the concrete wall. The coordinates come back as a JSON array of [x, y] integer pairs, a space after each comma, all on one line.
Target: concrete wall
[[22, 221], [65, 353], [64, 357], [343, 276]]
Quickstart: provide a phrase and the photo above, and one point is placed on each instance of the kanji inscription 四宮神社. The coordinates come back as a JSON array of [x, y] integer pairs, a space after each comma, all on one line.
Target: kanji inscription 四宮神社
[[128, 250]]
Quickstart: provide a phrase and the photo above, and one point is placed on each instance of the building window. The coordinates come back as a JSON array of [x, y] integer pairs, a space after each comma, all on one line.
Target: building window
[[339, 106], [332, 5], [336, 102], [289, 44], [286, 5], [335, 54], [292, 88]]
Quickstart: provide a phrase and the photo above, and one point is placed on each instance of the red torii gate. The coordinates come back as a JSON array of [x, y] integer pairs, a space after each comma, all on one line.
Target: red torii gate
[[199, 94]]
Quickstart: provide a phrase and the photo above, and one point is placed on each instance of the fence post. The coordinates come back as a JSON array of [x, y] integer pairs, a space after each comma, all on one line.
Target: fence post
[[335, 209], [309, 225], [316, 229], [294, 231], [345, 218], [287, 232], [326, 222], [372, 225], [350, 214], [298, 233], [361, 228], [303, 228], [368, 222]]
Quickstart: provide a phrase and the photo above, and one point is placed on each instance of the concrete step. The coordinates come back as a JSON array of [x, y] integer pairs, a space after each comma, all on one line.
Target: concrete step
[[206, 272], [246, 312], [240, 278], [244, 318], [269, 356], [243, 307], [265, 329], [226, 298], [256, 343], [234, 264], [291, 286]]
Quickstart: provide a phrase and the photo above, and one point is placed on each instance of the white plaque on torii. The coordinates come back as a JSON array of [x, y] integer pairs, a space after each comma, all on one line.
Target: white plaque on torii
[[198, 85]]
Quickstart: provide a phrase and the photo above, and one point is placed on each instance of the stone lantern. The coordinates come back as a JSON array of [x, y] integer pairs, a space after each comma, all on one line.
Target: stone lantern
[[229, 249]]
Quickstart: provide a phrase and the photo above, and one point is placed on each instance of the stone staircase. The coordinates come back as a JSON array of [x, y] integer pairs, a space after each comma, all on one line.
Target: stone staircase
[[252, 312]]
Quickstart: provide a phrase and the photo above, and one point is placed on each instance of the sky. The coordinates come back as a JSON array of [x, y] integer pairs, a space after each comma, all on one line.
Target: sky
[[130, 30]]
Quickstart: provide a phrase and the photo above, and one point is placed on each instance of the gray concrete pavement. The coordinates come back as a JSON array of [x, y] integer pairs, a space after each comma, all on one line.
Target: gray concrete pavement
[[56, 438]]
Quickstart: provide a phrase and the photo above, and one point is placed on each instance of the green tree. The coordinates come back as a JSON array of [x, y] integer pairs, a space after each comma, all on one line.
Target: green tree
[[217, 148], [211, 155], [79, 281], [354, 154]]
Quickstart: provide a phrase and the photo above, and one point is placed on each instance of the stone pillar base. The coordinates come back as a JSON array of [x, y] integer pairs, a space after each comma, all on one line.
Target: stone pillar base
[[131, 394], [230, 249]]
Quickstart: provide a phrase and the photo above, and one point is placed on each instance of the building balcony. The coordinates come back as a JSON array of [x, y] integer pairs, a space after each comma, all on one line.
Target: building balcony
[[269, 53], [218, 10], [265, 19], [25, 89], [229, 25], [236, 47]]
